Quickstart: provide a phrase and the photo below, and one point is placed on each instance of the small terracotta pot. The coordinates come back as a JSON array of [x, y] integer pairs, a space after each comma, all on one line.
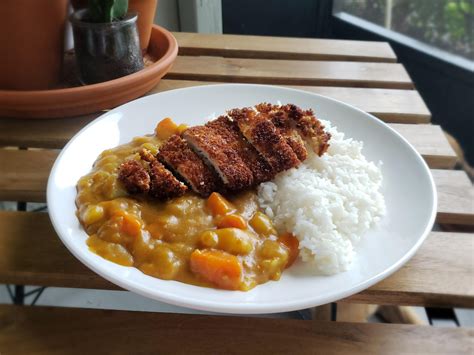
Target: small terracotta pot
[[146, 14], [32, 40]]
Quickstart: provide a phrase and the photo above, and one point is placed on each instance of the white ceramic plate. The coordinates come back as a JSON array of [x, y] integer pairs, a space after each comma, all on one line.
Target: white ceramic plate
[[408, 188]]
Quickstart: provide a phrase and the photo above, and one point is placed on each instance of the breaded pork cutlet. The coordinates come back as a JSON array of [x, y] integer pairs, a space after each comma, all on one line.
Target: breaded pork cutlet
[[223, 158], [163, 184], [181, 159], [286, 127], [148, 176], [228, 130], [308, 126], [260, 131], [134, 177]]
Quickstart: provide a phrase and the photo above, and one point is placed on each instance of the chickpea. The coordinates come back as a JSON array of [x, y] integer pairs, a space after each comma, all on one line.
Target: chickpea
[[262, 224], [164, 264], [209, 239], [92, 214], [234, 241]]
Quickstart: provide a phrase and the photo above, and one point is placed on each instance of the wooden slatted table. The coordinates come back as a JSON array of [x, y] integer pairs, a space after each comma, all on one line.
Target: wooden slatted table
[[364, 74]]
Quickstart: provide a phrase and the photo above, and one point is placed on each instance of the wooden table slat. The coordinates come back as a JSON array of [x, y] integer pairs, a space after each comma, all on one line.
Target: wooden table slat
[[25, 174], [455, 197], [48, 330], [32, 254], [431, 142], [390, 105], [290, 72], [398, 106], [264, 47], [428, 140], [439, 275]]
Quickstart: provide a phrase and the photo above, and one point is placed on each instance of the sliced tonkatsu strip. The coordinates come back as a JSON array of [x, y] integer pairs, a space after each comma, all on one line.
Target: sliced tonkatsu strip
[[286, 127], [181, 159], [163, 183], [229, 131], [260, 131], [307, 125], [223, 158], [311, 128], [134, 177], [149, 176]]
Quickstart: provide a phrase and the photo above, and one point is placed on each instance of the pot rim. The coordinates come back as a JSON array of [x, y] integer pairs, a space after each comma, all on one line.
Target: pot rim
[[76, 20]]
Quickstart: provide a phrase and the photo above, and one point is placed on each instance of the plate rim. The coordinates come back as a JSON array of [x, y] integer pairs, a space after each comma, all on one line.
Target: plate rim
[[243, 308]]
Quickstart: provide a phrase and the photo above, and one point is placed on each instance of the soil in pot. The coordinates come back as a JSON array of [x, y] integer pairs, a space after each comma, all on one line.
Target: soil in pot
[[106, 51]]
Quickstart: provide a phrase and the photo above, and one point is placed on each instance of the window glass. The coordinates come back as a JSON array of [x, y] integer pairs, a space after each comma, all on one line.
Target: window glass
[[445, 24]]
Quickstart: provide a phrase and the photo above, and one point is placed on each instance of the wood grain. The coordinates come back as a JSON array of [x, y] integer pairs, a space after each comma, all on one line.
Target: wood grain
[[25, 173], [456, 194], [41, 133], [428, 140], [237, 46], [440, 275], [390, 105], [48, 330], [289, 72], [32, 254], [399, 106], [431, 142]]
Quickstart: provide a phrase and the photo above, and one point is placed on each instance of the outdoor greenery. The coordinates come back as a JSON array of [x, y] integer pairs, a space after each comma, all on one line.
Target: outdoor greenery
[[446, 24]]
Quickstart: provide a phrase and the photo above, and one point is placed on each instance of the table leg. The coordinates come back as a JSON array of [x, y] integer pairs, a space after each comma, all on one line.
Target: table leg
[[19, 295]]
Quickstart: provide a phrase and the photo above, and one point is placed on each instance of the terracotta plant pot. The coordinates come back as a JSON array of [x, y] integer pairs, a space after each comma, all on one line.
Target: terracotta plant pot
[[74, 101], [146, 13], [105, 51], [32, 40]]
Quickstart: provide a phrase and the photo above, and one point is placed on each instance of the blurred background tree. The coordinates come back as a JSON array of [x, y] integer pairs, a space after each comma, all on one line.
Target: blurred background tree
[[446, 24]]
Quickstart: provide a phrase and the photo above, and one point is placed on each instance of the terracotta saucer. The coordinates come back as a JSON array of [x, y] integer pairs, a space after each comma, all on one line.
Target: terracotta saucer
[[73, 100]]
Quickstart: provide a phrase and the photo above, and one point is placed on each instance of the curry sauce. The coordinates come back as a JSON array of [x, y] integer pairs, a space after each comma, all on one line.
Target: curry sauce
[[222, 242]]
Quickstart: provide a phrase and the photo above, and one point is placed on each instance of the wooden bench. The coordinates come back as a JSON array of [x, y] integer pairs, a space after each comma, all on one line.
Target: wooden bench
[[47, 330], [364, 74]]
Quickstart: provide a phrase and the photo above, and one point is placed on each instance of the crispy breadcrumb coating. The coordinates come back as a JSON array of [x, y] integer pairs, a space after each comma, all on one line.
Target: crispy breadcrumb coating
[[149, 177], [221, 156], [176, 154], [260, 131], [228, 130]]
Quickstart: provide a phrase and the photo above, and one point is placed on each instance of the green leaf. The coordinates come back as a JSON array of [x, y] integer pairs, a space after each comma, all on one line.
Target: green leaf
[[119, 9], [107, 10]]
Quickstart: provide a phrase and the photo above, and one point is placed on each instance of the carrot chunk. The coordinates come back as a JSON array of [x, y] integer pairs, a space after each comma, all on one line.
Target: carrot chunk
[[166, 128], [231, 221], [221, 268], [219, 205], [130, 224], [292, 244]]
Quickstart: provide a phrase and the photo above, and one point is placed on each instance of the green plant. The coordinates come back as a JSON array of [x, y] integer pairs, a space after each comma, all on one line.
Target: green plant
[[107, 10]]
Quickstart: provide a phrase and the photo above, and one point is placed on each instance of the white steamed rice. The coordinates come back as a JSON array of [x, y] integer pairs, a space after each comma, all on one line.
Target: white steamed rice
[[328, 202]]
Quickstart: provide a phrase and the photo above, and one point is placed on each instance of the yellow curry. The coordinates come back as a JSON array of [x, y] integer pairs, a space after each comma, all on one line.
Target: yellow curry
[[214, 242]]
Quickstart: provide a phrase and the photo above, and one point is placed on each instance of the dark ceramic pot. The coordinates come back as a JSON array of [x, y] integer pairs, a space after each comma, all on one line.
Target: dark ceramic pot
[[106, 51]]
